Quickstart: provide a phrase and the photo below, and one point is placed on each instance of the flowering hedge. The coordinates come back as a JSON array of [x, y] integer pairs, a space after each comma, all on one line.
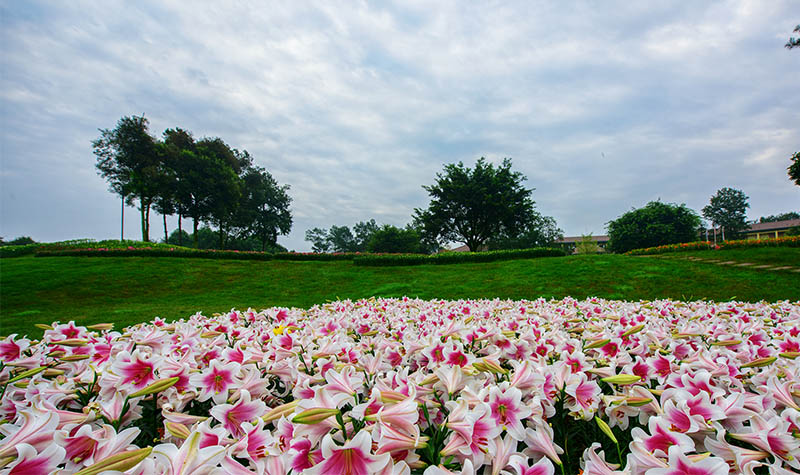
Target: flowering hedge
[[792, 241], [80, 244], [400, 386]]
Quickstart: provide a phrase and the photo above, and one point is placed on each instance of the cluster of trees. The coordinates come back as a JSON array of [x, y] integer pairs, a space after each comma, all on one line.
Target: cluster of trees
[[204, 180], [485, 207], [368, 236], [20, 241], [660, 223]]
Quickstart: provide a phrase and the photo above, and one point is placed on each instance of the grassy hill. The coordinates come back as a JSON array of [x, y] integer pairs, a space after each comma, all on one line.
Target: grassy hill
[[127, 290]]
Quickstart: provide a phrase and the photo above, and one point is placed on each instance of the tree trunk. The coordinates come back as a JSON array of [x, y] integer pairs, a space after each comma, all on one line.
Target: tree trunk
[[221, 237], [166, 235], [180, 230], [143, 215], [195, 232]]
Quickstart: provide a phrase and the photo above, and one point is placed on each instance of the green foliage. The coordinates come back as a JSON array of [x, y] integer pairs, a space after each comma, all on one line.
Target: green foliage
[[75, 244], [20, 241], [340, 239], [542, 231], [382, 260], [793, 231], [587, 245], [727, 208], [475, 205], [391, 239], [127, 158], [789, 241], [779, 217], [793, 42], [655, 224], [794, 168]]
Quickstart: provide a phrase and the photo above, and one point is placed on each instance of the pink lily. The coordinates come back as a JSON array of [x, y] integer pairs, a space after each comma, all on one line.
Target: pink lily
[[346, 382], [31, 462], [215, 381], [233, 415], [661, 439], [189, 458], [773, 436], [302, 456], [584, 395], [136, 369], [508, 410], [352, 458], [31, 427], [595, 464], [540, 442], [11, 348], [520, 465], [680, 464]]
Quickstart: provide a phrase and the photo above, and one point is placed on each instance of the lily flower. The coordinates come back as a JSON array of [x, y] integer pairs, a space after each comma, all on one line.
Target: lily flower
[[233, 415], [352, 458], [508, 411], [31, 462], [520, 465], [215, 381], [680, 464]]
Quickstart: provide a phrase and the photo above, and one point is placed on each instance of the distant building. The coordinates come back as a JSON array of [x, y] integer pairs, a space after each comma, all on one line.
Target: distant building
[[775, 229]]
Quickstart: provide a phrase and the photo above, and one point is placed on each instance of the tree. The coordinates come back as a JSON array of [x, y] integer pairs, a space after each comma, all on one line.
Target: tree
[[587, 245], [127, 159], [318, 237], [392, 239], [363, 231], [177, 141], [793, 42], [727, 209], [541, 232], [794, 168], [264, 210], [655, 224], [472, 206], [779, 217]]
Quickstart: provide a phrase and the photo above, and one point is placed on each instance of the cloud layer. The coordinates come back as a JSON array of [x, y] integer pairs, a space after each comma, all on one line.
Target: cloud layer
[[603, 107]]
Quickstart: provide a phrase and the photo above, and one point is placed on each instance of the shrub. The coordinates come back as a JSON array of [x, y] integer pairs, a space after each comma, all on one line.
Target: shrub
[[655, 224], [380, 260]]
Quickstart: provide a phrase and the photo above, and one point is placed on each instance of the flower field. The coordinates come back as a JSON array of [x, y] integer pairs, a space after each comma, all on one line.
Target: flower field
[[402, 386]]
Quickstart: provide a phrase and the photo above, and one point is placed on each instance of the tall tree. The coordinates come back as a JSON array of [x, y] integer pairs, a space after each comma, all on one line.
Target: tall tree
[[177, 141], [728, 208], [472, 206], [364, 230], [794, 168], [127, 158], [542, 231], [318, 237], [264, 210], [655, 224]]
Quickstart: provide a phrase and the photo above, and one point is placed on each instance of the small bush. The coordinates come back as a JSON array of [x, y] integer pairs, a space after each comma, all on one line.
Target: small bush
[[380, 260]]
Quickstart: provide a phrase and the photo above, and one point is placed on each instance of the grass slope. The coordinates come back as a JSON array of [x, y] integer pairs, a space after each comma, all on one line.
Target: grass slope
[[131, 290]]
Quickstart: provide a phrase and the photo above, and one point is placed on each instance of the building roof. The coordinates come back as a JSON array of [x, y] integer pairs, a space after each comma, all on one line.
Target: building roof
[[774, 226]]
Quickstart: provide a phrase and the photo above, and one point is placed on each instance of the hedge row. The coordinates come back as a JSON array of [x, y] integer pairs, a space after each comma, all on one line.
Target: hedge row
[[167, 251], [791, 241], [381, 260], [16, 251]]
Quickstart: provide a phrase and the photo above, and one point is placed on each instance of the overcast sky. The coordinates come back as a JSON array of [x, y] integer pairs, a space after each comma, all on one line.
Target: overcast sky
[[604, 106]]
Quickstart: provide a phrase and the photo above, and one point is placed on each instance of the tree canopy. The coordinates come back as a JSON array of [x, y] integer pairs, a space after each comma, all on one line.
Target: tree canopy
[[205, 180], [474, 205], [794, 168], [728, 208], [655, 224]]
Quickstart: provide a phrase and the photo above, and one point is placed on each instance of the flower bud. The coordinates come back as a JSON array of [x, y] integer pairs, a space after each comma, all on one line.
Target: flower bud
[[759, 362], [119, 462], [156, 387], [622, 379], [69, 358], [101, 326], [633, 330], [605, 428], [43, 326], [597, 344], [283, 410], [71, 342], [26, 374], [314, 416], [178, 430]]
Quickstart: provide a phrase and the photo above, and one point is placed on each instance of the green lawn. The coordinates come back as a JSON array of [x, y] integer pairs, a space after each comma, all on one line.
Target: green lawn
[[130, 290], [778, 256]]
